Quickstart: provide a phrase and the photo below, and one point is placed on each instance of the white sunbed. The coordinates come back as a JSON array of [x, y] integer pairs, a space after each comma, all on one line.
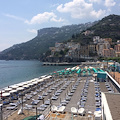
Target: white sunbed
[[13, 104], [73, 110], [61, 109], [97, 115], [11, 108], [53, 108], [28, 106], [81, 111], [41, 117]]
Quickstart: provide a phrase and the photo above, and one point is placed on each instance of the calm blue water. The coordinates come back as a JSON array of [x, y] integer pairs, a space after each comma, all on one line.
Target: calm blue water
[[13, 71]]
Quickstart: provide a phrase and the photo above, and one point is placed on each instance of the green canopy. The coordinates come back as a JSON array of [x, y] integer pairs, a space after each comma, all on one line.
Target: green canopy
[[94, 70], [101, 70], [78, 72], [84, 73]]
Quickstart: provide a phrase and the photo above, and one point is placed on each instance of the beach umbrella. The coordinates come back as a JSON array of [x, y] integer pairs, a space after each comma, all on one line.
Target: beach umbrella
[[26, 86], [88, 69], [94, 70], [35, 79], [60, 73], [20, 84], [77, 68], [8, 89], [35, 82], [40, 80], [43, 76], [48, 77], [30, 84], [27, 82], [20, 88], [84, 73], [68, 69], [101, 70], [14, 86], [73, 68], [13, 91], [6, 94], [78, 72]]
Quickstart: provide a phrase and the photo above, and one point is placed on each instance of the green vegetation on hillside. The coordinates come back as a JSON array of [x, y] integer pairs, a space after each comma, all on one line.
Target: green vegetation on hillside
[[47, 37], [108, 27]]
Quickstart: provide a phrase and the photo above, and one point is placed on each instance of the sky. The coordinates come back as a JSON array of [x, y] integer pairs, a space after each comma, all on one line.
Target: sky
[[20, 19]]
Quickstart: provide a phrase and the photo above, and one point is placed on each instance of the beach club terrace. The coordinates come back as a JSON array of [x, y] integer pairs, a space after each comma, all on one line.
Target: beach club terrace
[[77, 93]]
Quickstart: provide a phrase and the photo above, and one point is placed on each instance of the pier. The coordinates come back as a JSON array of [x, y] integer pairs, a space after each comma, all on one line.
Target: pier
[[60, 64], [69, 64]]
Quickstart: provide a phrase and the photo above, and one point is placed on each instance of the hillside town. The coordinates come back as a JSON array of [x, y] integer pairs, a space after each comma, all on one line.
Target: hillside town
[[73, 52]]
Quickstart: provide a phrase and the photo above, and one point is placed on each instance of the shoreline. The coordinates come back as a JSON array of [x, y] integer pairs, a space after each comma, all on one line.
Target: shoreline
[[74, 87], [14, 72]]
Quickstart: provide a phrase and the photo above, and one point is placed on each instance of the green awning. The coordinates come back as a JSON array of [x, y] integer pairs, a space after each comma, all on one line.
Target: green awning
[[78, 72]]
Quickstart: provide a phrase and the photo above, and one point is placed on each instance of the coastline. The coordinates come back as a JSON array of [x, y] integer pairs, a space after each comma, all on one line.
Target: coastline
[[74, 87], [16, 71]]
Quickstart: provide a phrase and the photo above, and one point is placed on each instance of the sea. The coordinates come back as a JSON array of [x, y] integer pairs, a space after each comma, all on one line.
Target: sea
[[16, 71]]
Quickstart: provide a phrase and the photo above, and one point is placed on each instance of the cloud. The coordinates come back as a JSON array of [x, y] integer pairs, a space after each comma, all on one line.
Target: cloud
[[55, 20], [110, 3], [98, 14], [43, 17], [80, 9], [14, 17], [95, 1], [32, 31]]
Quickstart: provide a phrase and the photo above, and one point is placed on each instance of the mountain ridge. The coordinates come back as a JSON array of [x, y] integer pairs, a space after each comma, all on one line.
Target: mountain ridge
[[108, 27], [45, 38]]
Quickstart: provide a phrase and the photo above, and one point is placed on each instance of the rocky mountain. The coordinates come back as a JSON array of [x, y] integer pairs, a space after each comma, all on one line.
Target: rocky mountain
[[108, 27], [45, 38]]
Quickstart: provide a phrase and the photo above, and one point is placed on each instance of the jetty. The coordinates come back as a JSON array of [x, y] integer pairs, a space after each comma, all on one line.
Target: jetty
[[60, 64], [69, 64]]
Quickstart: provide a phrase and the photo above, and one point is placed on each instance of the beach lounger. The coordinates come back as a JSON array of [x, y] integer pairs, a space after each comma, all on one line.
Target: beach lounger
[[44, 94], [35, 102], [41, 117], [97, 115], [40, 97], [42, 107], [5, 102], [61, 109], [54, 97], [81, 111], [11, 108], [13, 104], [53, 108], [28, 107], [73, 110], [28, 97], [47, 102]]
